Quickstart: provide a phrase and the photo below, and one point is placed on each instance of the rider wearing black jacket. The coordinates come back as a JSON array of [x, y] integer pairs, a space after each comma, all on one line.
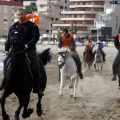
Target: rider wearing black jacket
[[30, 36], [117, 46]]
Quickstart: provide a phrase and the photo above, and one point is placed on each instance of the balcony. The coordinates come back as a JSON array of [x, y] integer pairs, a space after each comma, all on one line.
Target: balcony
[[78, 12], [84, 0], [77, 19], [92, 6]]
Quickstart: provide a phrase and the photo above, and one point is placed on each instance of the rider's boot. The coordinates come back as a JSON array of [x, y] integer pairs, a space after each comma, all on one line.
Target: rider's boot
[[103, 53], [93, 56], [37, 88], [2, 85], [36, 75], [113, 78], [80, 73]]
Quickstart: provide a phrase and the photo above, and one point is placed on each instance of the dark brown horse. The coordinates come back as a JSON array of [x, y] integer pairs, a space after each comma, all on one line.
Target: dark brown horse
[[87, 56], [19, 77]]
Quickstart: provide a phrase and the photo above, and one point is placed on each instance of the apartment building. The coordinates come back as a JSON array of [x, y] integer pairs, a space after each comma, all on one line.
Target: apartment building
[[49, 12], [7, 10], [88, 14]]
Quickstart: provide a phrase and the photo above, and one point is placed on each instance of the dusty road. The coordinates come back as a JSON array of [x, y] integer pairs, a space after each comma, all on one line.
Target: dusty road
[[98, 98]]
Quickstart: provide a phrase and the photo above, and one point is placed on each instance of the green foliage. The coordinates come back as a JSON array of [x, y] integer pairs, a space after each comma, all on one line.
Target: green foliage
[[60, 31], [46, 39], [31, 8], [73, 29]]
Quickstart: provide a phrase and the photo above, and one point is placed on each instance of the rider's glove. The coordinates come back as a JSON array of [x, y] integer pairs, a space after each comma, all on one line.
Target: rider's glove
[[6, 52], [26, 46]]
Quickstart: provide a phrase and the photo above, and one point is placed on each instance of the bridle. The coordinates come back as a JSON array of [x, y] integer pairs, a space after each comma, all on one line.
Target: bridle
[[63, 55], [16, 40]]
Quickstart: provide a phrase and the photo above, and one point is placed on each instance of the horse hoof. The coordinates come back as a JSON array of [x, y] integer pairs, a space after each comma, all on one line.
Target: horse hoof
[[6, 117], [60, 95], [75, 98], [29, 112], [39, 112], [70, 86], [118, 87], [71, 96], [16, 118]]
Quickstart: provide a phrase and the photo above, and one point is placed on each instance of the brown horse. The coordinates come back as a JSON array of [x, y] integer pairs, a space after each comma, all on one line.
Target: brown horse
[[87, 56]]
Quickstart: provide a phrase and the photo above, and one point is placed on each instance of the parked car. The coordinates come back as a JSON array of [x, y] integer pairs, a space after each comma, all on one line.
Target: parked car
[[2, 40]]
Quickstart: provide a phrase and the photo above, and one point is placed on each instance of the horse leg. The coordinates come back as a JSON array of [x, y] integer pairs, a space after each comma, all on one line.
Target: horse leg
[[39, 107], [61, 83], [26, 112], [58, 74], [119, 82], [75, 87], [17, 112], [5, 94], [95, 66]]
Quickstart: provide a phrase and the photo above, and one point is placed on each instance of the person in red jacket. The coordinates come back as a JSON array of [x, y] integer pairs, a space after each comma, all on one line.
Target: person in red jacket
[[67, 40]]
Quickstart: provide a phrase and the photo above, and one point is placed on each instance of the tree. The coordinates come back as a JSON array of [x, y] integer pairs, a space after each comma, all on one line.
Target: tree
[[31, 8], [60, 31], [73, 29]]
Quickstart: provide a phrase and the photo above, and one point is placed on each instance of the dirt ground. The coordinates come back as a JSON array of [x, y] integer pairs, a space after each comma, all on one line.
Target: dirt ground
[[98, 98]]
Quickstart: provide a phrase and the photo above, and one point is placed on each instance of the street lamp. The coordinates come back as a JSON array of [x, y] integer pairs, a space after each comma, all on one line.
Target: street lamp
[[49, 32], [97, 34]]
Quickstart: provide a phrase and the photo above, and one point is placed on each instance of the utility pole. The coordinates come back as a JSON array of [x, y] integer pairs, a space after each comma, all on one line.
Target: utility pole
[[49, 32], [97, 34]]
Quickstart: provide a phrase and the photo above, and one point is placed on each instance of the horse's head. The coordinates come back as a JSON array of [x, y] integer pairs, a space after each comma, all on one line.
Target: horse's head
[[16, 39], [62, 56], [97, 47]]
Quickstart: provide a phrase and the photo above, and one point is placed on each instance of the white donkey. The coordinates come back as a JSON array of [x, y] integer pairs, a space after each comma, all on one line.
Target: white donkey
[[98, 60], [68, 70]]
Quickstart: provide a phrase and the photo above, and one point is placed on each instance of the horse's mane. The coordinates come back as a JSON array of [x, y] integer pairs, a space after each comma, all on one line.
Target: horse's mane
[[45, 56], [67, 50]]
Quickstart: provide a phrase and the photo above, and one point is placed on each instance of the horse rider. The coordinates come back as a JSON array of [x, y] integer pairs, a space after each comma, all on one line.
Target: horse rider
[[31, 36], [101, 46], [117, 46], [89, 43], [67, 40]]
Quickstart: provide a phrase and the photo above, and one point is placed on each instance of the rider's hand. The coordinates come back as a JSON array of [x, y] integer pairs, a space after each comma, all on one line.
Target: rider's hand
[[6, 52], [26, 46]]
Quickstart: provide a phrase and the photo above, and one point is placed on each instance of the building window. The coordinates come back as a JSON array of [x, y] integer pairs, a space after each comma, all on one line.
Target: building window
[[65, 7], [65, 1], [116, 25], [5, 19], [116, 18], [56, 19], [61, 7], [52, 19]]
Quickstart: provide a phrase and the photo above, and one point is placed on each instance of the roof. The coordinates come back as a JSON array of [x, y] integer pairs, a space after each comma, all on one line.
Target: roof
[[11, 3]]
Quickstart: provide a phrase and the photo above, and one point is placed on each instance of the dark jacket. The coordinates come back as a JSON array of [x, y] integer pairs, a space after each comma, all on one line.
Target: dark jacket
[[30, 34], [116, 42]]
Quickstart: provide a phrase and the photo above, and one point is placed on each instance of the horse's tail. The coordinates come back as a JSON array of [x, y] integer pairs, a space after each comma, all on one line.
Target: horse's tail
[[45, 56]]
